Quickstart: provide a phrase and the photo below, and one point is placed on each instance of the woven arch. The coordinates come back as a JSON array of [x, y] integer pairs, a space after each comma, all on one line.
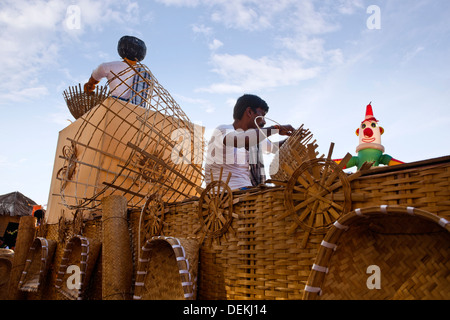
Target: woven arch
[[167, 269], [39, 257], [323, 264], [82, 252]]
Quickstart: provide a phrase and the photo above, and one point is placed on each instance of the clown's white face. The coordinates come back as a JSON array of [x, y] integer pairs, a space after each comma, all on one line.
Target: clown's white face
[[369, 132]]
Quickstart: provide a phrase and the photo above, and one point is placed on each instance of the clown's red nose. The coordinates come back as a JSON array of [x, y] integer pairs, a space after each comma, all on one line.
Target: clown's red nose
[[368, 132]]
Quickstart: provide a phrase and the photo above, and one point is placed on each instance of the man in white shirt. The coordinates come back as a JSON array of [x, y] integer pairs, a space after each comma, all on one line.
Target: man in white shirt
[[230, 144], [119, 73]]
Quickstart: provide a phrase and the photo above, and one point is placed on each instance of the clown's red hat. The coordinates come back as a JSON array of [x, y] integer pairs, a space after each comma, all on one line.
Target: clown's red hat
[[369, 113]]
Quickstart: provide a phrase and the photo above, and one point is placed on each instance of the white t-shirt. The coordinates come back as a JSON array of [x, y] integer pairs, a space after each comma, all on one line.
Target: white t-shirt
[[231, 159], [116, 86]]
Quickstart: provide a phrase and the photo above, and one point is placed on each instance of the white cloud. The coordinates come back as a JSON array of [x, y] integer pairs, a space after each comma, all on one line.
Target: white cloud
[[26, 15], [296, 27], [236, 14], [180, 3], [203, 104], [215, 44], [350, 6], [242, 73], [33, 33], [24, 94], [304, 18], [202, 29], [312, 49]]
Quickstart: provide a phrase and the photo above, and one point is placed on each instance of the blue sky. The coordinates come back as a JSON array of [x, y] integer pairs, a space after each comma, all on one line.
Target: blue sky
[[316, 62]]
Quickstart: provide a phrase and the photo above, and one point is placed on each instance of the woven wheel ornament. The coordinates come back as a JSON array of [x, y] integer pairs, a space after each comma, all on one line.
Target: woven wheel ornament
[[215, 208], [317, 194], [152, 218]]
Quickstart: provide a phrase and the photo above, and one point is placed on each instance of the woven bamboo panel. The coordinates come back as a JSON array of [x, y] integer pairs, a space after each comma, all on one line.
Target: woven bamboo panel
[[62, 233], [6, 261], [411, 266], [167, 269], [424, 186], [409, 247], [291, 154], [81, 252], [256, 258]]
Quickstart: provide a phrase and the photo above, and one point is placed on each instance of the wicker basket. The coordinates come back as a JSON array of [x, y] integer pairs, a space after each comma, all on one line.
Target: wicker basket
[[291, 154], [408, 247], [167, 269], [38, 261], [261, 255], [81, 252], [80, 102], [423, 185], [255, 258]]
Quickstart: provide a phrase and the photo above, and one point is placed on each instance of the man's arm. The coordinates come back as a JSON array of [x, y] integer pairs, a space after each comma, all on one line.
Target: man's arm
[[98, 74], [90, 85], [252, 137]]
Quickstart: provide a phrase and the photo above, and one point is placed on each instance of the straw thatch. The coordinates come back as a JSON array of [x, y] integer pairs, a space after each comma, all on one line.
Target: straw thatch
[[15, 204]]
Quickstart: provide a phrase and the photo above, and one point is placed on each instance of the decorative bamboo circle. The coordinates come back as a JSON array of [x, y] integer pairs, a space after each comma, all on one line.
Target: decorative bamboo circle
[[216, 208], [152, 218], [317, 194]]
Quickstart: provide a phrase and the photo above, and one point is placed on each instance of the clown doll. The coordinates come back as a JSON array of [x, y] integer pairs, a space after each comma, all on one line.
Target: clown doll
[[370, 148]]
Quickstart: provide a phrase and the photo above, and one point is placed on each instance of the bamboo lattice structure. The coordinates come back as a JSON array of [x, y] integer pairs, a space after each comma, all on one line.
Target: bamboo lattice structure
[[141, 146]]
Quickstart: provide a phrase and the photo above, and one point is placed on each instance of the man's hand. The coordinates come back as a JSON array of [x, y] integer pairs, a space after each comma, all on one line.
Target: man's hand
[[285, 130], [89, 86]]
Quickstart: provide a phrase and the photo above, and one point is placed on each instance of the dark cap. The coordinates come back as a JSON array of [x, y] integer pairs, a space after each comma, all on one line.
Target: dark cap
[[132, 48]]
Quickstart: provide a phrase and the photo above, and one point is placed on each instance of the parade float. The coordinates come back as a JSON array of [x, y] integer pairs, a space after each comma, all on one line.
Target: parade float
[[129, 217]]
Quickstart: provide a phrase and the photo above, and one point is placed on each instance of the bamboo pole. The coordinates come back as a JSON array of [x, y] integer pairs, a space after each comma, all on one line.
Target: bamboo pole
[[117, 263], [25, 237]]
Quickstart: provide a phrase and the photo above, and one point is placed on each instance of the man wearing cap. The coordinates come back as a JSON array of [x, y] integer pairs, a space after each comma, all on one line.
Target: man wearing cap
[[119, 74]]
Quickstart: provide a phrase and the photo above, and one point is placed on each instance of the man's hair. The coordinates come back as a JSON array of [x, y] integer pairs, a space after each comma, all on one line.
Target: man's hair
[[248, 100]]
